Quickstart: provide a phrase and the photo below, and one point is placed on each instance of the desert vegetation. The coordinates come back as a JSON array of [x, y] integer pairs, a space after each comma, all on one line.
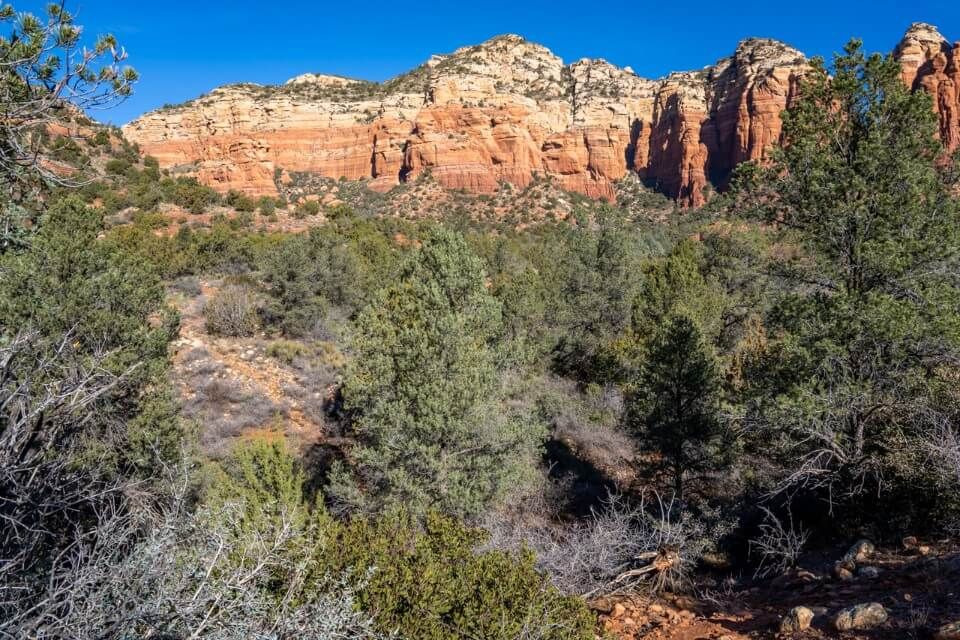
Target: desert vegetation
[[498, 426]]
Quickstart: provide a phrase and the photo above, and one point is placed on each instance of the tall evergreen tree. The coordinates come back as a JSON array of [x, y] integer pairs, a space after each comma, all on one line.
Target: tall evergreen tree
[[675, 409], [870, 237], [424, 391]]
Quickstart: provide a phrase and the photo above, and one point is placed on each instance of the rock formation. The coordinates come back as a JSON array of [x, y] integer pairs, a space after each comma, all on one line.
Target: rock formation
[[932, 64], [507, 110]]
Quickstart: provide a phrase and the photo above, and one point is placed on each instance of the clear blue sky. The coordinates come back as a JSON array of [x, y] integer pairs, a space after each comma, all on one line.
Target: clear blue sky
[[183, 49]]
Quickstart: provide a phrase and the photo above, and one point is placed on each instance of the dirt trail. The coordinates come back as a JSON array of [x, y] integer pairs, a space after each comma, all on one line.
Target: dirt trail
[[243, 360]]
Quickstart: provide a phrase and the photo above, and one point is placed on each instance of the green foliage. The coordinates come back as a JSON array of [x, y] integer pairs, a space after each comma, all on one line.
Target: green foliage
[[675, 409], [597, 292], [66, 149], [189, 194], [239, 201], [101, 138], [267, 206], [70, 283], [870, 242], [118, 166], [263, 476], [426, 581], [677, 286], [49, 75], [433, 584], [306, 208], [423, 389]]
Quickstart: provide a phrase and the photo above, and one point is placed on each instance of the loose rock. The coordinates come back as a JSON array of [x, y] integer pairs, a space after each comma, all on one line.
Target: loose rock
[[860, 551], [798, 619], [868, 572], [948, 632], [862, 616], [843, 570]]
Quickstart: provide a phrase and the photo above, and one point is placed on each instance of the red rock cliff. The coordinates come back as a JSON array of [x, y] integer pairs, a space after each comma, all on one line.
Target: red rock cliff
[[507, 110], [930, 63]]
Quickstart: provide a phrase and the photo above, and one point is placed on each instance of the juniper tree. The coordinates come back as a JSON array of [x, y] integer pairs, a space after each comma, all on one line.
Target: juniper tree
[[424, 392]]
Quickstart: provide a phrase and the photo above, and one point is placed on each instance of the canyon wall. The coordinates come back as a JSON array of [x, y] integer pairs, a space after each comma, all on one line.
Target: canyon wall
[[507, 110]]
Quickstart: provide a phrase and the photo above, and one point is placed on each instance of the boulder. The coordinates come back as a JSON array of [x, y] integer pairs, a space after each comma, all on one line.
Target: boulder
[[843, 570], [868, 572], [860, 551], [861, 616], [798, 619]]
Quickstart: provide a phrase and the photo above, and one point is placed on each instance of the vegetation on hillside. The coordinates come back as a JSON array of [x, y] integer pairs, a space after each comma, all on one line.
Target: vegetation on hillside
[[512, 419]]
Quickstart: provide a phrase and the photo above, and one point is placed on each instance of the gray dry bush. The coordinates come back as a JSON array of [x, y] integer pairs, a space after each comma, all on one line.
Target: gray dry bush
[[614, 550], [778, 546], [231, 311], [165, 572]]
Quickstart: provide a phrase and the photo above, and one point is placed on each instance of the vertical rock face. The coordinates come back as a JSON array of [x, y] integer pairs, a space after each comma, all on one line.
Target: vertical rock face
[[930, 63], [507, 110]]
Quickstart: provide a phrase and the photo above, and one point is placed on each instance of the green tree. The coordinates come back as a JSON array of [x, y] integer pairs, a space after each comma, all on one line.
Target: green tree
[[43, 66], [596, 295], [424, 391], [71, 283], [869, 247], [675, 409]]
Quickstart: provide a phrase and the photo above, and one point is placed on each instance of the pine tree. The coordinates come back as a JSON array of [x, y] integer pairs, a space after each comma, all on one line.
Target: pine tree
[[871, 304], [675, 409], [424, 392]]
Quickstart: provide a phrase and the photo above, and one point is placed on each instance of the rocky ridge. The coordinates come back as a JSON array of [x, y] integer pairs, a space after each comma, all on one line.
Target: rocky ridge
[[508, 110]]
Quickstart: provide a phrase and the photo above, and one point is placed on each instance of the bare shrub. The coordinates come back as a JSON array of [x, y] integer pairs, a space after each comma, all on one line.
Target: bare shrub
[[232, 311], [778, 547], [648, 546], [942, 448], [47, 395], [169, 573]]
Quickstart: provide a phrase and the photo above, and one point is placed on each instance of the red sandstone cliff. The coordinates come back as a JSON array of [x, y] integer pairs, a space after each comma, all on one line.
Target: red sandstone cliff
[[508, 109], [932, 64]]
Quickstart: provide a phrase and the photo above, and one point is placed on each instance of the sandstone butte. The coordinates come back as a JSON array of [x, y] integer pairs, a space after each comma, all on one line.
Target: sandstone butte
[[508, 109]]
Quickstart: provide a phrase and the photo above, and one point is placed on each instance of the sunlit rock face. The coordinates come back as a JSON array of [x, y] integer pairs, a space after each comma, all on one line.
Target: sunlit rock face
[[932, 64], [507, 110]]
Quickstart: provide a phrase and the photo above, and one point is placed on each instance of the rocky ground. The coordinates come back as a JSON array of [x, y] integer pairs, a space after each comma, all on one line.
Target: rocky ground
[[237, 387], [903, 593]]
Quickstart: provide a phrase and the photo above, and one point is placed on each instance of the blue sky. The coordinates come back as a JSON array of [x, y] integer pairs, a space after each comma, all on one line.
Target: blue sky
[[183, 49]]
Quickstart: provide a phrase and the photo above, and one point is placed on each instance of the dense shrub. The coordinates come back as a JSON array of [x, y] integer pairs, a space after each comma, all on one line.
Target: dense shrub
[[267, 206], [432, 583], [239, 201], [189, 194], [307, 208]]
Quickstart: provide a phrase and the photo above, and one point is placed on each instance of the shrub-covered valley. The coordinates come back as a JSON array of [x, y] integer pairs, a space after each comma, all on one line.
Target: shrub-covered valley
[[430, 414]]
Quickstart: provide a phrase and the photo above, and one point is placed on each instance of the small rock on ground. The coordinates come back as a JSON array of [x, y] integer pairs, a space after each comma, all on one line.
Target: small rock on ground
[[861, 616], [798, 619], [868, 572]]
